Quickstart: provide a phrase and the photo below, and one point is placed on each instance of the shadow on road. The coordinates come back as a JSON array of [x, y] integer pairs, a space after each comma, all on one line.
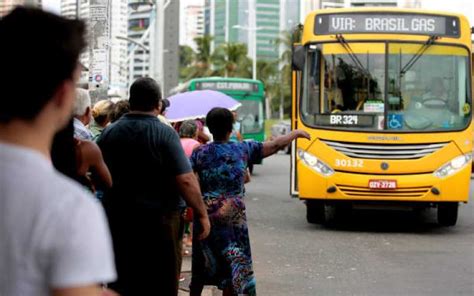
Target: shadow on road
[[388, 221]]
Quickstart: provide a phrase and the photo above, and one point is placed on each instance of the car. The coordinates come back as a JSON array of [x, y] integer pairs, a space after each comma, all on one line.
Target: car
[[280, 129]]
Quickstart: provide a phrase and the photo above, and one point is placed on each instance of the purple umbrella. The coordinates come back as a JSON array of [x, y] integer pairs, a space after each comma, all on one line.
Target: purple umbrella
[[196, 104]]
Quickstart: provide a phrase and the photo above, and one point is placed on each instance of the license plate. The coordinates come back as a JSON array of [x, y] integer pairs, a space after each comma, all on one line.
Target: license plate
[[382, 184]]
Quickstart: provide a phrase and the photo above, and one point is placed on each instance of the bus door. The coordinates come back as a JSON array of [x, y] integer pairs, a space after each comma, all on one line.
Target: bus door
[[296, 87]]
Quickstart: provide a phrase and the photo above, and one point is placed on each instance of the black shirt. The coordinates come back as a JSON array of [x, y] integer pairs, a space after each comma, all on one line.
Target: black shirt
[[144, 156]]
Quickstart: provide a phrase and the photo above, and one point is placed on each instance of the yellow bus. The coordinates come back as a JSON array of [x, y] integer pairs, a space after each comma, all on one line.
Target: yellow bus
[[386, 97]]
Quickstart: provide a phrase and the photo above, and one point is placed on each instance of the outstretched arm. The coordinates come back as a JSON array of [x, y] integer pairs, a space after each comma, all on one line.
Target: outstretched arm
[[273, 146]]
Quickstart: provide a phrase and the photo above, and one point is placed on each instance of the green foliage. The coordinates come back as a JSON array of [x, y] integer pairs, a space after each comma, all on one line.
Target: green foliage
[[186, 58], [230, 60]]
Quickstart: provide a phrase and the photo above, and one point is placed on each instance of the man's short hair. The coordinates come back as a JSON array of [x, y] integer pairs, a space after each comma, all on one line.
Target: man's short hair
[[83, 101], [220, 122], [38, 52], [145, 95]]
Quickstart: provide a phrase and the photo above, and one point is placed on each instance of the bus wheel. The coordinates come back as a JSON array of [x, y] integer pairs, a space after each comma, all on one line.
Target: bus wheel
[[447, 213], [315, 212]]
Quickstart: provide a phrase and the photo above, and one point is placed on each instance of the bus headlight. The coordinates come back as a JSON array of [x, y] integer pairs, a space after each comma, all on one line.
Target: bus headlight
[[453, 166], [315, 163]]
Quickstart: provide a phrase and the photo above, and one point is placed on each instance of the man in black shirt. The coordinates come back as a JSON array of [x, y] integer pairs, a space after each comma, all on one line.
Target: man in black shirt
[[149, 171]]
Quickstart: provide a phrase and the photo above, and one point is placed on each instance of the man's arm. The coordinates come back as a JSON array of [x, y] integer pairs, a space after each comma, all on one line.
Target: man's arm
[[101, 174], [92, 290], [189, 188]]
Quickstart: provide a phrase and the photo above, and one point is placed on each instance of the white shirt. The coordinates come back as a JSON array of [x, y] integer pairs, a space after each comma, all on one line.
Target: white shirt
[[53, 234], [81, 132]]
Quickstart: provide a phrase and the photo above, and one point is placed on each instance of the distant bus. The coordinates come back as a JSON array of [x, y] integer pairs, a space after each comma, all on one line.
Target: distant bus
[[386, 97], [250, 93]]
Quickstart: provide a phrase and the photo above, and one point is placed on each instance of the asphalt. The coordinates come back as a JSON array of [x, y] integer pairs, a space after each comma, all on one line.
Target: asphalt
[[372, 253]]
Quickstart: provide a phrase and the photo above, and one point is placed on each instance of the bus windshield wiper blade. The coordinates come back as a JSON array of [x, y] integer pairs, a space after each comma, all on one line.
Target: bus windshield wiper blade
[[353, 57], [418, 54]]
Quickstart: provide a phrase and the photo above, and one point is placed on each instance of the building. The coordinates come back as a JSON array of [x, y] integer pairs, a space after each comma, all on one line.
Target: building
[[309, 5], [117, 75], [138, 32], [118, 83], [70, 8], [193, 23], [228, 21], [7, 5]]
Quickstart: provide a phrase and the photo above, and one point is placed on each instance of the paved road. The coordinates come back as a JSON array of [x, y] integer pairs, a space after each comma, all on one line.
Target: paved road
[[377, 253]]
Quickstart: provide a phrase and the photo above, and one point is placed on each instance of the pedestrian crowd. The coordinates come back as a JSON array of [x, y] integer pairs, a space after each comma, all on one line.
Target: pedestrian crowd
[[106, 198]]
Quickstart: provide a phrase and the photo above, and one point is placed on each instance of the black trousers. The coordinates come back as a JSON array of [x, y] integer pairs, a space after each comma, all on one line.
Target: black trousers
[[147, 251]]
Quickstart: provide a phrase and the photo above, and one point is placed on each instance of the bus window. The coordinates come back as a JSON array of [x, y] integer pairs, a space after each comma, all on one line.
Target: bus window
[[430, 93], [353, 83], [251, 116]]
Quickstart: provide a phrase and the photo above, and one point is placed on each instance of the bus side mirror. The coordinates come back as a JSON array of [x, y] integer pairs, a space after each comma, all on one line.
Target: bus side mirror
[[299, 57]]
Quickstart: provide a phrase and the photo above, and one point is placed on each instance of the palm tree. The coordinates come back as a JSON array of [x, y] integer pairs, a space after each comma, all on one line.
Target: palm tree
[[286, 41], [267, 72], [186, 58], [231, 60], [202, 65]]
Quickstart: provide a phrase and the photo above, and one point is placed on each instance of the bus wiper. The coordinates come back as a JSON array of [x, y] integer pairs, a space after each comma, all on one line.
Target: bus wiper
[[418, 54], [353, 57]]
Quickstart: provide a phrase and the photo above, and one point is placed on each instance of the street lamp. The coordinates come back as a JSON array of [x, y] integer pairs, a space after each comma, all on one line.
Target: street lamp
[[137, 43], [252, 39]]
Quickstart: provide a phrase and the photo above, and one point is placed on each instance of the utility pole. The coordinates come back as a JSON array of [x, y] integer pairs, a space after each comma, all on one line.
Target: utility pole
[[166, 43], [99, 48], [253, 36]]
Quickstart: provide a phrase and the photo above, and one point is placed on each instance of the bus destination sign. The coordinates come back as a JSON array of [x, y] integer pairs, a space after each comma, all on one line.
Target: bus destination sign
[[367, 23], [227, 85]]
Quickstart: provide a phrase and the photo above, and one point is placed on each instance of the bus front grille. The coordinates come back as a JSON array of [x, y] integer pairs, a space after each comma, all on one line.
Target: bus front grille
[[409, 192], [384, 151]]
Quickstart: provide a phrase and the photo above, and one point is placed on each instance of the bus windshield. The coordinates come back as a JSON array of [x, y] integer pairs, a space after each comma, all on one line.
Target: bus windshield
[[372, 86], [250, 115]]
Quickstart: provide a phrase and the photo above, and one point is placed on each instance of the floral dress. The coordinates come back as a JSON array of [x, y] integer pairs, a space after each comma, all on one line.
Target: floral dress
[[224, 258]]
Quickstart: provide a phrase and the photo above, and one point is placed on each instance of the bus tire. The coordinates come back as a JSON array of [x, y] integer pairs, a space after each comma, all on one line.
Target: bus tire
[[448, 213], [315, 212]]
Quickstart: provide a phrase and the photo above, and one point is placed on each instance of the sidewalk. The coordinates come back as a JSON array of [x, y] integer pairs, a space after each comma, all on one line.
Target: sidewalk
[[184, 285]]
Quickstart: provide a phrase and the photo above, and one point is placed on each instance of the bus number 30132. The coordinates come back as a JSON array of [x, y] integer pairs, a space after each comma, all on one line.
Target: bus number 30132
[[351, 163]]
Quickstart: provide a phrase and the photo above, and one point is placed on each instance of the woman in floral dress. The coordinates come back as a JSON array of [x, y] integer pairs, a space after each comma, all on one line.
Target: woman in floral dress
[[224, 258]]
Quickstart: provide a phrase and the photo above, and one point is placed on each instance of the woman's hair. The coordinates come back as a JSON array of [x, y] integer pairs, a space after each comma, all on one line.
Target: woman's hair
[[120, 108], [188, 129], [101, 111], [220, 121]]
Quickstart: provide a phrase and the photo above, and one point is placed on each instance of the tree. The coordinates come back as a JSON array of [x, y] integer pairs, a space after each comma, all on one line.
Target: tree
[[186, 58], [231, 60], [267, 72], [202, 65], [286, 42]]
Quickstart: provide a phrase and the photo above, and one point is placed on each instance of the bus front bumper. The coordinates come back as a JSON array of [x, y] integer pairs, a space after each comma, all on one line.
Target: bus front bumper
[[410, 188]]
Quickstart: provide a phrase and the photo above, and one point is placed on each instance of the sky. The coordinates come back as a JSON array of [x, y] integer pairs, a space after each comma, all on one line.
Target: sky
[[465, 7]]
